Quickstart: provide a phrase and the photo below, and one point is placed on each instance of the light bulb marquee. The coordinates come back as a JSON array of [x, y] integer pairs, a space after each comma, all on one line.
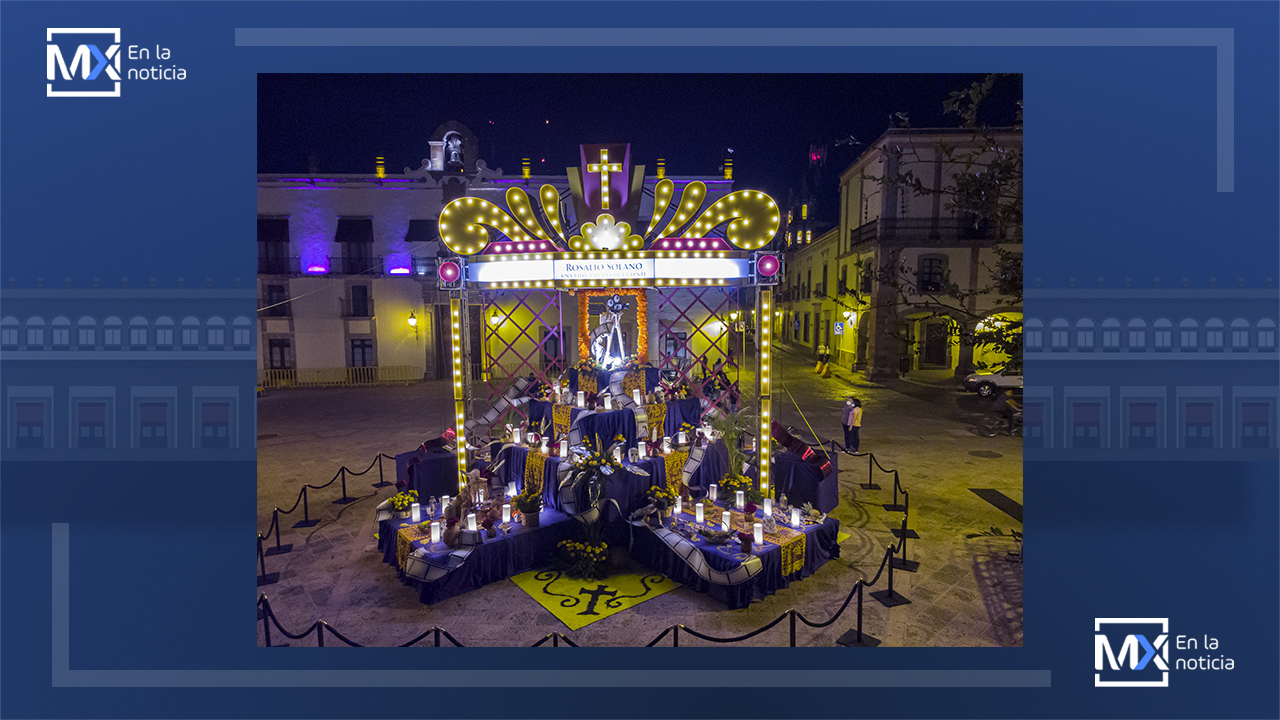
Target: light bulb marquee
[[474, 226]]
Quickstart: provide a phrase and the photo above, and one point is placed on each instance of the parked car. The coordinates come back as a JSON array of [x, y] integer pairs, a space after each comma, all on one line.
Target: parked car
[[987, 383]]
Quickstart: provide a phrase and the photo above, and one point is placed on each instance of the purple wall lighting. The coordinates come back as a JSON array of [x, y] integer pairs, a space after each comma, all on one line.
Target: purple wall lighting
[[316, 269], [399, 264]]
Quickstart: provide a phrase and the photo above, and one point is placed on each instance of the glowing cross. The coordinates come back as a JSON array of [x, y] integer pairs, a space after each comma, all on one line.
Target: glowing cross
[[604, 167]]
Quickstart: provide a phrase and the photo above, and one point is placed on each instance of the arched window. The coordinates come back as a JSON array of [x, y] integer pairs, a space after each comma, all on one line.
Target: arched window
[[1240, 335], [1267, 334], [138, 332], [1188, 335], [242, 333], [1033, 334], [1214, 335], [112, 330], [1162, 335], [61, 333], [35, 333], [1084, 335], [1111, 334], [1137, 335], [164, 333], [217, 333], [9, 332], [190, 333], [1058, 338], [86, 333]]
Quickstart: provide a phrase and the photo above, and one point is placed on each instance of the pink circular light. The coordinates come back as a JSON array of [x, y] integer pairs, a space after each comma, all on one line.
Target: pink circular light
[[449, 271], [767, 265]]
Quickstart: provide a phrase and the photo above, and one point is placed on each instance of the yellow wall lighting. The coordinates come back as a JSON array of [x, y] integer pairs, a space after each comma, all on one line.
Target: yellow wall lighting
[[459, 392]]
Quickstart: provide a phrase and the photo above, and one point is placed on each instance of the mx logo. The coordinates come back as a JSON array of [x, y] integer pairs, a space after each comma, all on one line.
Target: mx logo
[[92, 70], [1143, 657]]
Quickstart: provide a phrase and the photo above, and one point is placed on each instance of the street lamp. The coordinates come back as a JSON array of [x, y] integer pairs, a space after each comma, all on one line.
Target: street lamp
[[413, 323]]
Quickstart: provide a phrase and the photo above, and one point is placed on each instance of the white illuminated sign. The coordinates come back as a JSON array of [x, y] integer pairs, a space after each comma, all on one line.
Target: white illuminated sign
[[605, 269], [498, 271]]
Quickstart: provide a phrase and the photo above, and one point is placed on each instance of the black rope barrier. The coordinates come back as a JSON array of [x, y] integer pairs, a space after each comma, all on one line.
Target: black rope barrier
[[306, 520], [334, 480], [345, 498], [264, 578], [275, 526], [382, 482]]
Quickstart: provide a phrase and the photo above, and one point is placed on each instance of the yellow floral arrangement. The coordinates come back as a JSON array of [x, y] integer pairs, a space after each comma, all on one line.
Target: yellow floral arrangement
[[584, 560], [402, 501]]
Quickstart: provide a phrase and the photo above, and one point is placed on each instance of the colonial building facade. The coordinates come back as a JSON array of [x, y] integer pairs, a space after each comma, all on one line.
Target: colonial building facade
[[347, 272], [837, 280]]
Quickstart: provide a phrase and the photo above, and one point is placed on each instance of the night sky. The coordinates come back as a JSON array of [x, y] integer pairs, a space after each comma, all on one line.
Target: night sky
[[769, 121]]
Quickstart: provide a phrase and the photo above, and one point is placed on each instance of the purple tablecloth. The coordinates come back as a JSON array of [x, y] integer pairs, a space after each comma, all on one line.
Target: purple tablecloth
[[803, 482], [820, 546]]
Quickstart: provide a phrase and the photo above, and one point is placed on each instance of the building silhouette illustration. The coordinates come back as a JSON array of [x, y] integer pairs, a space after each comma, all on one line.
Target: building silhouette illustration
[[128, 373], [1151, 373]]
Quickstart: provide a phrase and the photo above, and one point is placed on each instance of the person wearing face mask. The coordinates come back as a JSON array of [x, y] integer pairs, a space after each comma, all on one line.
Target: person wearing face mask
[[851, 419]]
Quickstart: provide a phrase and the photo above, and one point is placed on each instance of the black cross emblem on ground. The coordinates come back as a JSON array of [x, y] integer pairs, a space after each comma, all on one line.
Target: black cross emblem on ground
[[596, 594]]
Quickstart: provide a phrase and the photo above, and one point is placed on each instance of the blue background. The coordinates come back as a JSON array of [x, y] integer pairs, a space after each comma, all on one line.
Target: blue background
[[1121, 181]]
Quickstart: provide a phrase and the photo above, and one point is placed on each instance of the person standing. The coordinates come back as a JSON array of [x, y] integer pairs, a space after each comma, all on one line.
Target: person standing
[[822, 358], [852, 419]]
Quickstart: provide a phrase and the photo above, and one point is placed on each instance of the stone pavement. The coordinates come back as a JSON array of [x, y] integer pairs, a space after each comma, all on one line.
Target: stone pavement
[[966, 593]]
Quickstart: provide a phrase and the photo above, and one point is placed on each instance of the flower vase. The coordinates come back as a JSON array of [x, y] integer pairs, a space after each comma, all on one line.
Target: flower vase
[[532, 519], [746, 545]]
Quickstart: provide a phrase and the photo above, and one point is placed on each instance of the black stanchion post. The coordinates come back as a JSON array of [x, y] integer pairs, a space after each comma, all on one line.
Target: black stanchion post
[[870, 484], [319, 633], [855, 637], [902, 563], [306, 521], [895, 507], [555, 640], [344, 499], [437, 629], [266, 624], [381, 480], [263, 577], [275, 523], [888, 597], [792, 613], [675, 636]]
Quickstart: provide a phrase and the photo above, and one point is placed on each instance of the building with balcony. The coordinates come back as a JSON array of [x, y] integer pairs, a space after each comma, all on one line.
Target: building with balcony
[[890, 228], [344, 262]]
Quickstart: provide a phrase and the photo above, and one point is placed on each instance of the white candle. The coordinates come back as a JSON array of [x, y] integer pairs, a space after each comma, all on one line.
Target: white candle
[[471, 522], [643, 448], [724, 520], [739, 500], [617, 454], [795, 517], [564, 448], [435, 531], [544, 446], [666, 445], [679, 505], [415, 513], [444, 503], [681, 438], [697, 512], [511, 489], [506, 512], [758, 530], [608, 403], [516, 436], [480, 496], [768, 507], [635, 396], [713, 491], [582, 398]]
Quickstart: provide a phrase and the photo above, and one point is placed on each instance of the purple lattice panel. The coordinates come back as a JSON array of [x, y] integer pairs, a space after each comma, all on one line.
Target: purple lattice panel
[[527, 340], [700, 313]]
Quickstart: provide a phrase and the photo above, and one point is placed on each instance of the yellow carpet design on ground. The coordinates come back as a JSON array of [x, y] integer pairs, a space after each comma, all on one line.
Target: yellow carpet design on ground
[[578, 603]]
